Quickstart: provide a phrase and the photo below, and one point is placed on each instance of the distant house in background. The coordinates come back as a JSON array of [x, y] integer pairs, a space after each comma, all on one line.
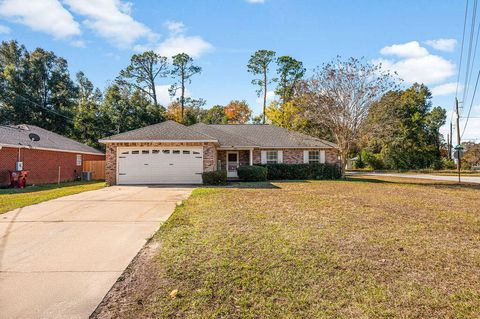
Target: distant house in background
[[46, 155]]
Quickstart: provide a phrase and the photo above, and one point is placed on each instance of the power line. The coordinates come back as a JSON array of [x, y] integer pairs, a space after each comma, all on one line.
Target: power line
[[469, 55], [461, 51], [461, 60], [54, 112], [471, 104]]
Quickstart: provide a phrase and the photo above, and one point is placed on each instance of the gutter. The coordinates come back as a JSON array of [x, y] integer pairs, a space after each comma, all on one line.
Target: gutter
[[47, 149]]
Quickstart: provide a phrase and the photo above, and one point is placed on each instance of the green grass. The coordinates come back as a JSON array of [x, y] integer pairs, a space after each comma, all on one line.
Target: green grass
[[361, 248], [444, 172], [15, 198]]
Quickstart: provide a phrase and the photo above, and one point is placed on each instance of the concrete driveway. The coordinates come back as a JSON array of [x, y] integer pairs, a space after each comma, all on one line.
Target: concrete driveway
[[59, 258]]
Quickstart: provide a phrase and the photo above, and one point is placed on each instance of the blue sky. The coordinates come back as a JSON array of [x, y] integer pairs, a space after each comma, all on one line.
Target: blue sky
[[419, 39]]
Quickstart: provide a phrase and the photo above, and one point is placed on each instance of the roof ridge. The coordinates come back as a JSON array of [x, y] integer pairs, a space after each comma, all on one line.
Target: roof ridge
[[232, 134]]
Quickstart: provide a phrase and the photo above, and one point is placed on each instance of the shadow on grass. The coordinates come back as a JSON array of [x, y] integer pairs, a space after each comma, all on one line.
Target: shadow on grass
[[44, 187], [426, 182]]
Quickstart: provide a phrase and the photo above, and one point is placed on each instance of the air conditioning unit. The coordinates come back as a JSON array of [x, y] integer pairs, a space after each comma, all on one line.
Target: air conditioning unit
[[87, 176], [19, 166]]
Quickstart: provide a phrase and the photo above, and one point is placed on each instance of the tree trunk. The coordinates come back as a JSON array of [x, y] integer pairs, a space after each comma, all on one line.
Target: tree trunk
[[264, 93], [182, 98], [154, 90]]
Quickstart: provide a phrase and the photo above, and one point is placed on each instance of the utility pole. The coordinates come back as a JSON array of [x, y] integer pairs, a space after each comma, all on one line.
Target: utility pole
[[458, 147], [450, 139]]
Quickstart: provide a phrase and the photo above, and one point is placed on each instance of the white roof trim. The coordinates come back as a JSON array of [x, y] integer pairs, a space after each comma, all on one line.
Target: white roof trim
[[296, 147], [48, 149], [156, 141]]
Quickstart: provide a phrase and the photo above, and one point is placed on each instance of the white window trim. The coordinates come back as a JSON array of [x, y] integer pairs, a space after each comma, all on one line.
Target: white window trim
[[79, 160]]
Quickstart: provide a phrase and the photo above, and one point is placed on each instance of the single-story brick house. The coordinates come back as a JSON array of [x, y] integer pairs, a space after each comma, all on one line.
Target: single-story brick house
[[172, 153], [43, 153]]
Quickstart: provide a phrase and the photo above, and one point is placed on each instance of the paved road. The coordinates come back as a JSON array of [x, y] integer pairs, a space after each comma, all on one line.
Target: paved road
[[466, 179], [59, 258]]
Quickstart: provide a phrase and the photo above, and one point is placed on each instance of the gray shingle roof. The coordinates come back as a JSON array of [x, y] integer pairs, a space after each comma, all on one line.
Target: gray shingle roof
[[227, 135], [165, 131], [224, 138], [270, 136], [18, 135]]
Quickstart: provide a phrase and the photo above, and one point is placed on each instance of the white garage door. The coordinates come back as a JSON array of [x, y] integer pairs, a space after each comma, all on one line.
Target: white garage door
[[180, 165]]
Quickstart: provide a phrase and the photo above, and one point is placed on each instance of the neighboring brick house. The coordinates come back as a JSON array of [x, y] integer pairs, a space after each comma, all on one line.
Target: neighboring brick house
[[45, 158], [172, 153]]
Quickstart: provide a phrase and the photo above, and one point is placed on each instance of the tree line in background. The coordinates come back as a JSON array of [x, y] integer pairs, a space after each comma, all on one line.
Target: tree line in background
[[350, 102], [37, 88]]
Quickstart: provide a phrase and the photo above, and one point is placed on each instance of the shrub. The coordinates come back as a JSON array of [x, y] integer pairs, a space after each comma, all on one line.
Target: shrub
[[252, 173], [214, 178], [303, 171]]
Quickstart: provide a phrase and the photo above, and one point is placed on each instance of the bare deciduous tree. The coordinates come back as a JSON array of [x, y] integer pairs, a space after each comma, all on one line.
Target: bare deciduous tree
[[339, 95]]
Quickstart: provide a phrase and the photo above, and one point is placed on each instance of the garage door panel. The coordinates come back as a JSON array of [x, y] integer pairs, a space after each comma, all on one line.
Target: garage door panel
[[160, 166]]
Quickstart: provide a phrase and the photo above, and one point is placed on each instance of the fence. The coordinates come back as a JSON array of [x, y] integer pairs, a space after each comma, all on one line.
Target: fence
[[96, 167]]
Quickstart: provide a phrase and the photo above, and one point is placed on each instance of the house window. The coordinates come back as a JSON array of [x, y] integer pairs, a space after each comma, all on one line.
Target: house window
[[272, 157], [145, 152], [175, 152], [155, 151], [314, 157], [186, 152], [79, 160], [166, 151], [135, 152]]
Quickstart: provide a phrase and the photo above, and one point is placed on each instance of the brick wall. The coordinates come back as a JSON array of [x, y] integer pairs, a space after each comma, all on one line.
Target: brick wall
[[209, 156], [295, 156], [43, 165], [243, 158]]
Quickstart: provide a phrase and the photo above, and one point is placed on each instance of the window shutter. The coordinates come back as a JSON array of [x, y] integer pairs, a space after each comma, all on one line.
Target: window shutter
[[264, 157], [322, 156], [305, 157], [280, 156]]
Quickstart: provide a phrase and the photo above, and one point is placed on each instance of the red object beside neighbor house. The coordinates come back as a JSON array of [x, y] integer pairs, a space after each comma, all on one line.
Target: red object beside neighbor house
[[18, 179]]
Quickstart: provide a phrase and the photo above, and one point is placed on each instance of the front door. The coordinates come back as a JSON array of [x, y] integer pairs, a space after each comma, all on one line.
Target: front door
[[232, 164]]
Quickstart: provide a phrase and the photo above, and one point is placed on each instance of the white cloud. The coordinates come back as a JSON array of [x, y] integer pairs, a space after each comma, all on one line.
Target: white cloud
[[163, 96], [175, 27], [111, 20], [473, 128], [255, 1], [4, 29], [447, 45], [446, 89], [406, 50], [47, 16], [414, 63], [78, 43], [270, 97], [191, 45], [178, 42]]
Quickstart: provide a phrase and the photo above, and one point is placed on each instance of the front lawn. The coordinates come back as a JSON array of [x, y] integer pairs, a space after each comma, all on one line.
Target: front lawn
[[16, 198], [361, 248]]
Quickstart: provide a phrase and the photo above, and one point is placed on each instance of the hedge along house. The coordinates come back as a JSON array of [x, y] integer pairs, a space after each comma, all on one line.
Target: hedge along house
[[47, 156], [171, 153]]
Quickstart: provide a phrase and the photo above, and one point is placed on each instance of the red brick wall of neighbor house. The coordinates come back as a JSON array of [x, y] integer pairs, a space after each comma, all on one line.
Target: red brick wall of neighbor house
[[209, 156], [43, 165]]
